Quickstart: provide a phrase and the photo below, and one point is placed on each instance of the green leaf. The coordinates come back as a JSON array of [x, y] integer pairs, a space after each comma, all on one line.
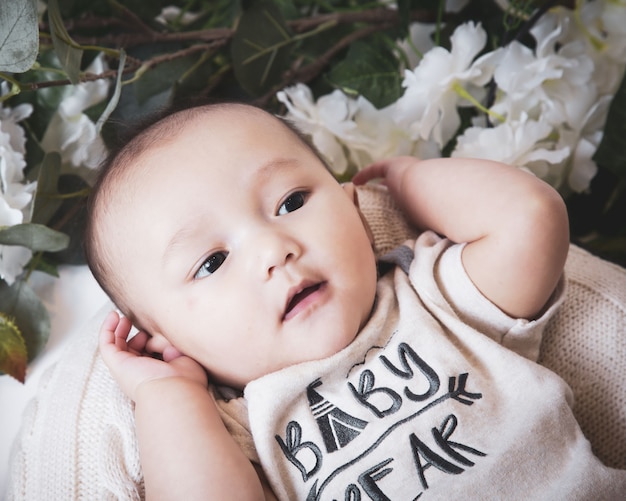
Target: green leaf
[[36, 237], [12, 349], [611, 152], [261, 48], [19, 35], [20, 303], [67, 50], [71, 218], [47, 200], [161, 78], [144, 10], [404, 14], [117, 92], [370, 70], [40, 263]]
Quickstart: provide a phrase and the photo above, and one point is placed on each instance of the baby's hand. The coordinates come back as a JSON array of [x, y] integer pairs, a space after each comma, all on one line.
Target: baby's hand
[[389, 171], [132, 364]]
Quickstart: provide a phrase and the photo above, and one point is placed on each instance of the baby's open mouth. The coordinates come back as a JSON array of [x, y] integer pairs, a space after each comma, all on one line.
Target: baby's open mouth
[[299, 297]]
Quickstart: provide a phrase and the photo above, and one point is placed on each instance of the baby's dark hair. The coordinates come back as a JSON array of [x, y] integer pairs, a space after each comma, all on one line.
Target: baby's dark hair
[[127, 145]]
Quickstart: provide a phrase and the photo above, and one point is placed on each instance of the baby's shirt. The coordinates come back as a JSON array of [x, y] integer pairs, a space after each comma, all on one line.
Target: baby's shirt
[[438, 397]]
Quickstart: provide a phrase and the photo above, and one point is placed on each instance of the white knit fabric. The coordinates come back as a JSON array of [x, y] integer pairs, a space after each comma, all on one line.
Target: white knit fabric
[[77, 439]]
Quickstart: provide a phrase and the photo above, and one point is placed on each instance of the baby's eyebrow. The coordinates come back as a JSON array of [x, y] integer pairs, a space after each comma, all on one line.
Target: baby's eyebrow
[[181, 236], [273, 167]]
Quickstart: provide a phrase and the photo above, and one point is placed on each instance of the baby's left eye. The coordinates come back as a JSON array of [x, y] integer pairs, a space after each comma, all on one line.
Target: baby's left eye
[[211, 265], [292, 203]]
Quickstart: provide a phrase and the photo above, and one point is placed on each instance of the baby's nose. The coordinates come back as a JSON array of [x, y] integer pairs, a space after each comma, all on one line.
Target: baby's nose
[[272, 250]]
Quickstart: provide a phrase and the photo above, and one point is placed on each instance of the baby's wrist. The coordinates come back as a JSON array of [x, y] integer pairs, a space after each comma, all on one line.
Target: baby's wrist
[[166, 387]]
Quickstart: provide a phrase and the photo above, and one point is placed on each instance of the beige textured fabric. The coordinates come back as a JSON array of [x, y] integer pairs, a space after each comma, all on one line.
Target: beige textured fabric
[[586, 345], [77, 439]]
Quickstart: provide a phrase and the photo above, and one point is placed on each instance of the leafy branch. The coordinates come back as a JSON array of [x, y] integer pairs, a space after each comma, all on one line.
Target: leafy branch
[[227, 51], [223, 49], [131, 31]]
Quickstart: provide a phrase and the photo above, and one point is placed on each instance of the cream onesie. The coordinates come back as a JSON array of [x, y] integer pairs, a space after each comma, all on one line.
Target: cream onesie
[[438, 397]]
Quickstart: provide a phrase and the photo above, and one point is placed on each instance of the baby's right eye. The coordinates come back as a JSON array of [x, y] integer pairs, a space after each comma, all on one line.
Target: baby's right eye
[[210, 265], [293, 202]]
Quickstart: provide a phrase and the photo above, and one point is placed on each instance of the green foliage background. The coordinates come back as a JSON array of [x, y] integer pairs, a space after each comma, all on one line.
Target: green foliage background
[[246, 50]]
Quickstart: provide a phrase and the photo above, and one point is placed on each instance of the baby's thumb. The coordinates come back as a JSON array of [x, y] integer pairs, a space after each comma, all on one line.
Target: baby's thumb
[[170, 353]]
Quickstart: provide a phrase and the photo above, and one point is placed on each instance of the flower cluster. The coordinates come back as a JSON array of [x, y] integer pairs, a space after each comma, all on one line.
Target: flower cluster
[[15, 193], [541, 109], [532, 84], [70, 132]]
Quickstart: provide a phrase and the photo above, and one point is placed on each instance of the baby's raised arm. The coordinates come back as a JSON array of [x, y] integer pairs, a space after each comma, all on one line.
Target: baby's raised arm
[[186, 451], [515, 224]]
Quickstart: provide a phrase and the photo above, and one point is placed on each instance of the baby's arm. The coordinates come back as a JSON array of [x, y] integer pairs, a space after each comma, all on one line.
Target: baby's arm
[[516, 225], [186, 451]]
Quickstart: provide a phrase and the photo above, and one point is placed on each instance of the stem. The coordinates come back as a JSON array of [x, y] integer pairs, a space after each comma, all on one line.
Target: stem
[[441, 9], [32, 265], [74, 194], [146, 35], [151, 63], [13, 91], [309, 72], [263, 51], [210, 40], [129, 15], [461, 91]]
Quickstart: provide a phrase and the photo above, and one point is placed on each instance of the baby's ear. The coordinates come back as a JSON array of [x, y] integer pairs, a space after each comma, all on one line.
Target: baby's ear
[[352, 193]]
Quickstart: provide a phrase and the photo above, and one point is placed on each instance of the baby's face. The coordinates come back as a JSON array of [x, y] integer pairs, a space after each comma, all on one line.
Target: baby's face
[[237, 245]]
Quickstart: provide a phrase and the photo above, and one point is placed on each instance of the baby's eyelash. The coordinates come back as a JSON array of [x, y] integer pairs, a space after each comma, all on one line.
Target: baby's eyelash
[[210, 265], [292, 202]]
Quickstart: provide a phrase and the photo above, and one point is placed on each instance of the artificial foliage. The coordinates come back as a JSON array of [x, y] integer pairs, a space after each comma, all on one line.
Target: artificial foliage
[[72, 71]]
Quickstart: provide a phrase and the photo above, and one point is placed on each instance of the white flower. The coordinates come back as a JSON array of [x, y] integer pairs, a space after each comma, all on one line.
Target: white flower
[[553, 85], [613, 25], [549, 113], [523, 143], [327, 121], [350, 133], [580, 168], [173, 13], [70, 131], [421, 42], [428, 108], [15, 194], [13, 258], [600, 28], [378, 136]]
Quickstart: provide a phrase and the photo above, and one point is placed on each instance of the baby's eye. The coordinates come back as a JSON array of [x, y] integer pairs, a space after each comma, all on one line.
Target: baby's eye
[[211, 264], [292, 202]]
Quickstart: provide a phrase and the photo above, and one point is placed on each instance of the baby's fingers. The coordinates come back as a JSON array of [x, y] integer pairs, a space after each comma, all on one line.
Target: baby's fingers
[[376, 170], [107, 330], [139, 342], [391, 171], [114, 332]]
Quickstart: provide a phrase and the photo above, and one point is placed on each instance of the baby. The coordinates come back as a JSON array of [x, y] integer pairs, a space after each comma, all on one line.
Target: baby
[[220, 234]]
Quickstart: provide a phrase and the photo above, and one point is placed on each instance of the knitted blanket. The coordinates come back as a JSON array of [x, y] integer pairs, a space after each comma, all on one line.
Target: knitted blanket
[[77, 439]]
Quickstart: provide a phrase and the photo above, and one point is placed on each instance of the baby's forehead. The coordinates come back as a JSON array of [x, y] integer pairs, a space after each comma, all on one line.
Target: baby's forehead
[[224, 121], [181, 137], [179, 141]]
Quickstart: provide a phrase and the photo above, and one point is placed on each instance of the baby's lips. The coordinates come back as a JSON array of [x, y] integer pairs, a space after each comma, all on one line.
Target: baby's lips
[[298, 294]]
